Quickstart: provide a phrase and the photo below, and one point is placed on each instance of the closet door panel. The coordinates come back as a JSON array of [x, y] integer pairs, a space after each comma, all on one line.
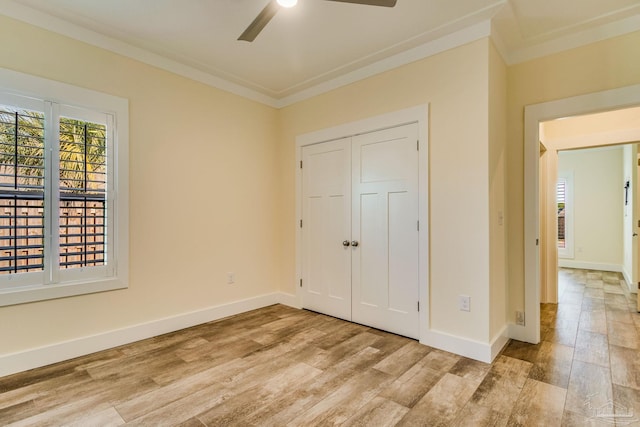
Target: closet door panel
[[326, 222], [385, 226]]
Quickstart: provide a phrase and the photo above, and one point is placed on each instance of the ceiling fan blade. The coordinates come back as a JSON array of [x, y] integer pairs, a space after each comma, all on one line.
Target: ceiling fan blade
[[385, 3], [260, 22]]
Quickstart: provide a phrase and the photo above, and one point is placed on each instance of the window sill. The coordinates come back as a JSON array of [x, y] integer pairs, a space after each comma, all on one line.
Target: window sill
[[29, 294]]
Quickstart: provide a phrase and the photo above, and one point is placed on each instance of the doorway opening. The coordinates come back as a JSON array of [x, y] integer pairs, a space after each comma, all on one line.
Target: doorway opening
[[588, 204], [538, 252]]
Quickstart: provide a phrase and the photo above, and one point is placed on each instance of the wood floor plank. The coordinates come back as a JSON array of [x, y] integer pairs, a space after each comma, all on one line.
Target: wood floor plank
[[625, 366], [593, 321], [400, 361], [480, 416], [66, 413], [289, 405], [106, 418], [589, 387], [623, 334], [340, 405], [186, 407], [379, 412], [470, 369], [627, 408], [348, 347], [553, 364], [433, 410], [163, 396], [538, 404], [592, 347], [239, 408], [413, 384]]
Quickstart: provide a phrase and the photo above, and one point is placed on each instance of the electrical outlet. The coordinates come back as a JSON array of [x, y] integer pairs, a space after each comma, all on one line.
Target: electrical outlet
[[231, 278], [520, 318], [464, 303]]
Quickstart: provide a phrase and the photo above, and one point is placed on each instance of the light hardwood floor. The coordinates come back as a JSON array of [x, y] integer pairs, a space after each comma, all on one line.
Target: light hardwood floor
[[281, 366]]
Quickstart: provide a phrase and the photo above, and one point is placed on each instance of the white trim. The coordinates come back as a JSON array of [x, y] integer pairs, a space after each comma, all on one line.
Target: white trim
[[19, 84], [627, 278], [534, 114], [484, 352], [57, 352], [586, 265], [517, 332], [499, 342], [290, 300], [420, 115], [573, 40]]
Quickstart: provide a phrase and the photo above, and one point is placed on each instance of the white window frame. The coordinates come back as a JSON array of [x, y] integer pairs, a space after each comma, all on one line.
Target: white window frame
[[53, 98], [567, 251]]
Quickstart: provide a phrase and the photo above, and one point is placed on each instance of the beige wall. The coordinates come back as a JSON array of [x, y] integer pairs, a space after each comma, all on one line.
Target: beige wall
[[600, 66], [598, 203], [455, 84], [497, 191], [187, 142]]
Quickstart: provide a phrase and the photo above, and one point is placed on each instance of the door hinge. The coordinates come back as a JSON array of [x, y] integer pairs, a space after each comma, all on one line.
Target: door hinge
[[537, 242], [300, 282], [418, 305], [418, 145], [300, 164], [418, 225], [300, 223]]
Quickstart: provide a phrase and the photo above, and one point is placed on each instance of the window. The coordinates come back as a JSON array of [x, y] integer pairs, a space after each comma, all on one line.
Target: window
[[564, 202], [63, 190], [561, 192]]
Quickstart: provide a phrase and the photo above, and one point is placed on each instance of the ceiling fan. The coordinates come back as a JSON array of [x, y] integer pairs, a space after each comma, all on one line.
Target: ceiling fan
[[273, 6]]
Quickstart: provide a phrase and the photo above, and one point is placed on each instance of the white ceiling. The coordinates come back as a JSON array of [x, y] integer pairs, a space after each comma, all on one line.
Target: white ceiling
[[319, 44]]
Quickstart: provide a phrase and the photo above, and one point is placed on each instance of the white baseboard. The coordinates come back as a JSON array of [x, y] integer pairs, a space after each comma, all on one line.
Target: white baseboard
[[586, 265], [53, 353], [498, 342], [484, 352], [289, 299], [631, 287], [46, 355], [519, 333]]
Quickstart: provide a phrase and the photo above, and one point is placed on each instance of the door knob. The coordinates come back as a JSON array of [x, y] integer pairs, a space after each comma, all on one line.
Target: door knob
[[345, 243], [354, 243], [635, 234]]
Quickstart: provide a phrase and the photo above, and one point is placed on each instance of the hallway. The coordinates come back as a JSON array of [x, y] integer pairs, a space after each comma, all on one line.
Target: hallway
[[589, 347]]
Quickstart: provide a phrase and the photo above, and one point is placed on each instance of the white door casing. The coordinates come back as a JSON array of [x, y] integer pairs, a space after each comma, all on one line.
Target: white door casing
[[360, 249], [418, 115], [613, 99]]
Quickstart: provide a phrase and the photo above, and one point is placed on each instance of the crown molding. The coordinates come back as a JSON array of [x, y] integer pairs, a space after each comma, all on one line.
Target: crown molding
[[570, 41], [42, 20]]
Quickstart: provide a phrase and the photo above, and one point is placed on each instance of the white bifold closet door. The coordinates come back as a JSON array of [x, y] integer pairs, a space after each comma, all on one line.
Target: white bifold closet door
[[360, 229]]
